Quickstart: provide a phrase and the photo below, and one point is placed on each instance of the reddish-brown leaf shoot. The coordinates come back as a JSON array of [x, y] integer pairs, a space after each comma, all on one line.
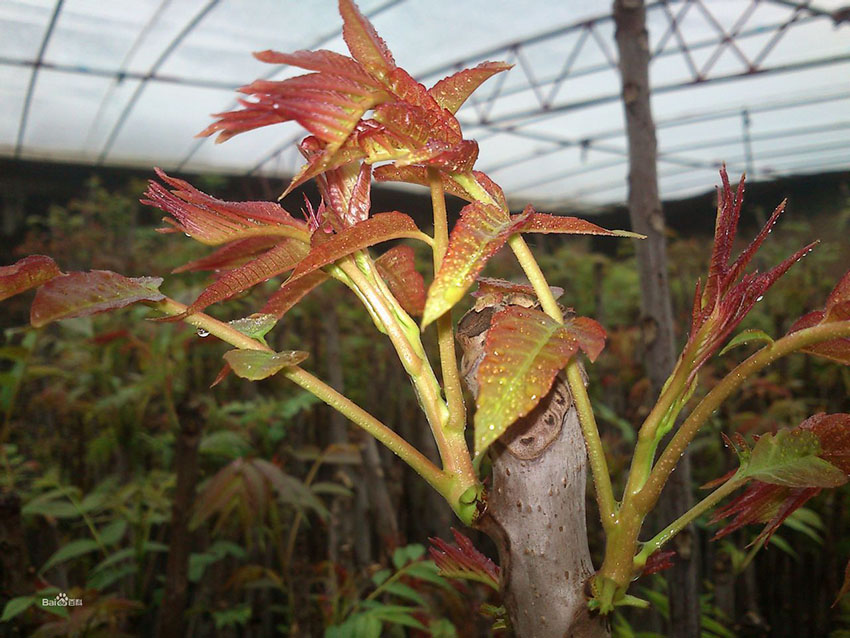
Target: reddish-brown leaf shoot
[[463, 561], [398, 268], [24, 274], [724, 301], [378, 228], [230, 255], [451, 92], [280, 259], [545, 223], [213, 221], [479, 233], [658, 561], [291, 292], [837, 309], [363, 41], [79, 294]]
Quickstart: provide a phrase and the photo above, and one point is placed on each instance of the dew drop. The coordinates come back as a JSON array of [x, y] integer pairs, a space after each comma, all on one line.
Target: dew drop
[[203, 333], [759, 298], [492, 427]]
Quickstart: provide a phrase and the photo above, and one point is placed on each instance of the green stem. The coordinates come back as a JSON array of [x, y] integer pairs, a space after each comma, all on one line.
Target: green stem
[[590, 430], [705, 505], [595, 449], [445, 332], [404, 450], [651, 491]]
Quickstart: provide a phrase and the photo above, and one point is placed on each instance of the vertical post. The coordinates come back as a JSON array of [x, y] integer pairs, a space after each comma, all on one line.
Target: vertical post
[[647, 218], [172, 623]]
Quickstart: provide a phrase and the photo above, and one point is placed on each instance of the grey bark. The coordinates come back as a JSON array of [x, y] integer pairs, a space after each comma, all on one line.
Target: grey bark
[[536, 509], [647, 218]]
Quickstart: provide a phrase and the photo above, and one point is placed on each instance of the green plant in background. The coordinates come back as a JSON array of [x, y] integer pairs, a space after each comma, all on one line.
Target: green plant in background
[[368, 119]]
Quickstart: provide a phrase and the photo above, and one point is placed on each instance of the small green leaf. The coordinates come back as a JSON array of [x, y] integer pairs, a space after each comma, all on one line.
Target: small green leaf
[[16, 606], [73, 549], [260, 364], [114, 532], [405, 591], [790, 458], [255, 326], [380, 577], [746, 337]]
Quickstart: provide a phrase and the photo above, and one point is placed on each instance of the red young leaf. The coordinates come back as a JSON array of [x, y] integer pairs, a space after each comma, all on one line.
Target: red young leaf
[[398, 268], [280, 259], [347, 192], [523, 351], [479, 233], [323, 61], [291, 292], [26, 273], [363, 41], [79, 294], [723, 303], [231, 255], [463, 561], [417, 175], [837, 309], [658, 561], [544, 223], [378, 228], [451, 92], [762, 503], [213, 221]]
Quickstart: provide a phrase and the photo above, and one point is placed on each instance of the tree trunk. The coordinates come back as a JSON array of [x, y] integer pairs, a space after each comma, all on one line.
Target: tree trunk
[[536, 509], [171, 619], [647, 218]]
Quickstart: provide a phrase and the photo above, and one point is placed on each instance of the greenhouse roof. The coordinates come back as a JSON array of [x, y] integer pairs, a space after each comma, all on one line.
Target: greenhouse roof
[[761, 84]]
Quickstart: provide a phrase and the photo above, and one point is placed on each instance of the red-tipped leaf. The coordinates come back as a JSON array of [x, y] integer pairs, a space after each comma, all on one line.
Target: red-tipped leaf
[[398, 268], [545, 223], [25, 274], [451, 92], [363, 41], [837, 309], [291, 292], [280, 259], [213, 221], [379, 228], [79, 294], [523, 351], [463, 561], [481, 231]]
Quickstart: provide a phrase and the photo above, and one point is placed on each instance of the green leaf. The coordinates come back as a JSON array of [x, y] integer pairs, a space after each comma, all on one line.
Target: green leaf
[[105, 578], [746, 337], [80, 294], [479, 233], [523, 352], [113, 532], [17, 606], [380, 577], [26, 273], [255, 326], [73, 549], [790, 458], [255, 365], [406, 592], [225, 443]]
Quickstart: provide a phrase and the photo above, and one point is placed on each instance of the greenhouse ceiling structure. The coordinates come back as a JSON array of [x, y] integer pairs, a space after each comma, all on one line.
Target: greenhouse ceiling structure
[[763, 85]]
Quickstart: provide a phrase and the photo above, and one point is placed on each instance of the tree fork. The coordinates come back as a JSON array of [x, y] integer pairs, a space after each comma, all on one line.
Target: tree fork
[[536, 508]]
